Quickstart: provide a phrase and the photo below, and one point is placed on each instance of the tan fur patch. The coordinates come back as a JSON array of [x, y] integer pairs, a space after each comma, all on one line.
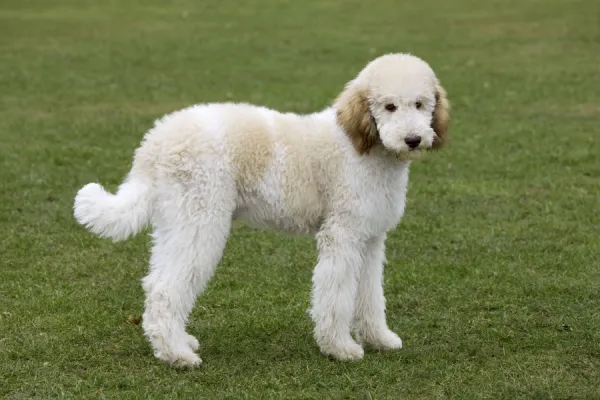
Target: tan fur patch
[[354, 116], [441, 118], [249, 146], [311, 159], [301, 195]]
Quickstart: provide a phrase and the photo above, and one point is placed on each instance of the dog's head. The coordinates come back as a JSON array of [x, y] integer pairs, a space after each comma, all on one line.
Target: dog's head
[[396, 101]]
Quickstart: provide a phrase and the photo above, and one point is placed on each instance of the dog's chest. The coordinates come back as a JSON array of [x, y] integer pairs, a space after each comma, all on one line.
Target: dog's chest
[[382, 211], [380, 200]]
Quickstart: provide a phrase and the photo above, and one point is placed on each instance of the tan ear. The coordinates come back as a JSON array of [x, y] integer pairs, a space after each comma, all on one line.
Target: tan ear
[[441, 118], [354, 116]]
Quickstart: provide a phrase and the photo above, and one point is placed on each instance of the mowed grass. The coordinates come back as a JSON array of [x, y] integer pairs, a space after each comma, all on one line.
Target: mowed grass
[[493, 278]]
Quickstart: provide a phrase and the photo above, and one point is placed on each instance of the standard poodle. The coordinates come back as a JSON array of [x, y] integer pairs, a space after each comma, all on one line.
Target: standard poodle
[[340, 174]]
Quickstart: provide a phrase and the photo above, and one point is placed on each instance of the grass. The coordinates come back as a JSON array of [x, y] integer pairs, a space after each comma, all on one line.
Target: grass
[[494, 273]]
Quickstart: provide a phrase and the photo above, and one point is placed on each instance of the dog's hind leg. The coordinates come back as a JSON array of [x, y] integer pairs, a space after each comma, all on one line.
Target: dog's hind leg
[[188, 244]]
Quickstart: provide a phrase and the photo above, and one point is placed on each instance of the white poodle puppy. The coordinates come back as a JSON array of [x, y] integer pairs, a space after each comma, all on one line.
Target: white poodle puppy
[[340, 174]]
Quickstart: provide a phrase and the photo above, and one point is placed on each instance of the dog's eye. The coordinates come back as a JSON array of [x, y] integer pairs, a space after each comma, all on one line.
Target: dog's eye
[[391, 107], [419, 105]]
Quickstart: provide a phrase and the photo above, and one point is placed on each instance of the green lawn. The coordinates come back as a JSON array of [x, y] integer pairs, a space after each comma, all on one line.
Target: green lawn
[[493, 278]]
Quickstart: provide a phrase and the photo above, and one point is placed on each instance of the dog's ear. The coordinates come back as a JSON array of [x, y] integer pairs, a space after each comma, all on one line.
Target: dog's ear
[[440, 123], [354, 116]]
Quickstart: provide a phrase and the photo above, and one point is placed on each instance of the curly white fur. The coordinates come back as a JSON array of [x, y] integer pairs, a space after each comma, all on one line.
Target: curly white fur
[[340, 174]]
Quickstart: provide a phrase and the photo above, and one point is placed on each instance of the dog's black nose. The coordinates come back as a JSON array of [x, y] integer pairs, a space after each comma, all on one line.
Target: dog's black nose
[[412, 141]]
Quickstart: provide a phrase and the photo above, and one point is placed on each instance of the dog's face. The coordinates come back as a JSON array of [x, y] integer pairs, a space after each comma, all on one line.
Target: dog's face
[[396, 101]]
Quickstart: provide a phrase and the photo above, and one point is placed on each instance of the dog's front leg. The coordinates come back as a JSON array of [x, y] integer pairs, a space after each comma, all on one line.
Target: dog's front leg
[[335, 283], [370, 321]]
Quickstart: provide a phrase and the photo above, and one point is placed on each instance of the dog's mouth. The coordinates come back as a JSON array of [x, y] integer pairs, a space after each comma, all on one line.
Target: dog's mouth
[[419, 149], [411, 154]]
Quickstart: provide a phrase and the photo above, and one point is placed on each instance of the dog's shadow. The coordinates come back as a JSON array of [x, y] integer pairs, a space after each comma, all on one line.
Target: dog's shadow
[[279, 339]]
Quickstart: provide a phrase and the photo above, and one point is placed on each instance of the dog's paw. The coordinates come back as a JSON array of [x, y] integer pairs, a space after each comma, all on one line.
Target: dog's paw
[[386, 340], [188, 361], [182, 358], [192, 342], [350, 351]]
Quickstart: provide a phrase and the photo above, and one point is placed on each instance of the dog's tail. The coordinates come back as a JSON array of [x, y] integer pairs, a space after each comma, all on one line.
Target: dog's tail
[[116, 216]]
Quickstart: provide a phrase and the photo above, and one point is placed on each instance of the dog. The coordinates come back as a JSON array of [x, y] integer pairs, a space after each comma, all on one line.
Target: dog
[[340, 174]]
